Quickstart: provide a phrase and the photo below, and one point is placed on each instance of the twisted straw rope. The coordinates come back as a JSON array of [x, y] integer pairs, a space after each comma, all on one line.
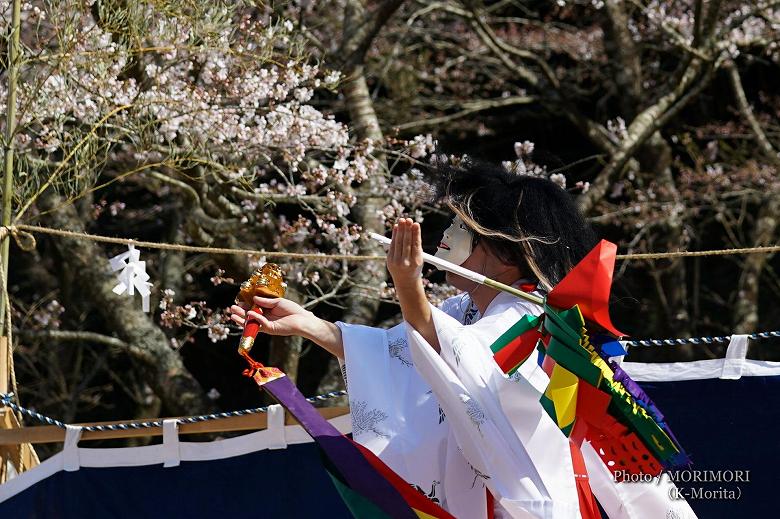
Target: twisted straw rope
[[26, 241], [688, 254], [21, 232]]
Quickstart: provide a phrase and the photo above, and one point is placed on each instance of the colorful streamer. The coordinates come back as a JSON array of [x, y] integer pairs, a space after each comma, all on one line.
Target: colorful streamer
[[369, 488], [589, 396], [588, 286]]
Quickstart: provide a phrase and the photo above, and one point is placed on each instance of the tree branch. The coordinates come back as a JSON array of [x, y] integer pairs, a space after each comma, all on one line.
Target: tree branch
[[628, 71], [479, 24], [75, 336], [214, 225], [644, 125], [166, 373], [278, 198], [468, 109], [360, 29], [84, 336], [594, 131], [747, 113]]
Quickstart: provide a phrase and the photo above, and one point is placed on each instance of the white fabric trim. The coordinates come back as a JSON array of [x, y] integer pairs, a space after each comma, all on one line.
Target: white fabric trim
[[633, 500], [276, 427], [154, 454], [735, 357], [70, 451], [696, 370], [734, 366], [171, 455], [10, 469]]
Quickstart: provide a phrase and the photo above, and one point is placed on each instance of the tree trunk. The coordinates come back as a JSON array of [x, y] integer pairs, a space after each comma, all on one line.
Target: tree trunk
[[627, 68], [362, 306], [673, 317], [172, 268], [746, 308], [167, 376], [359, 31]]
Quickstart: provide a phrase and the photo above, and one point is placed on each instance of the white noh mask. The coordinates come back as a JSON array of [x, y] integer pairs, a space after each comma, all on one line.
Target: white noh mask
[[456, 243]]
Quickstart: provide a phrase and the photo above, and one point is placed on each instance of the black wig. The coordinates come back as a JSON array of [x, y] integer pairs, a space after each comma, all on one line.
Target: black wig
[[525, 221]]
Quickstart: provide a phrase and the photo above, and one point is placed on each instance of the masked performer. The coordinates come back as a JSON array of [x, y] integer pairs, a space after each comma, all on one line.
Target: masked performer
[[427, 396]]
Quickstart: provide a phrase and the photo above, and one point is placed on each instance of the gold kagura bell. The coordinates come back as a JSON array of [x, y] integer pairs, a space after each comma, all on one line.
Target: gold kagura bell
[[267, 281]]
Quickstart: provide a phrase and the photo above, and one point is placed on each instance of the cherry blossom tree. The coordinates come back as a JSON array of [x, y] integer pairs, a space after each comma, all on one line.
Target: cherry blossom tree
[[298, 126], [205, 114]]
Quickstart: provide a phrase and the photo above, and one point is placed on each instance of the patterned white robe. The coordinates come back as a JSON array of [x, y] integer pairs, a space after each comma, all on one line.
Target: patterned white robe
[[452, 423]]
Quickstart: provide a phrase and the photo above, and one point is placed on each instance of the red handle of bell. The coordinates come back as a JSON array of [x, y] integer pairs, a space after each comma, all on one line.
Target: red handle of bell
[[251, 329]]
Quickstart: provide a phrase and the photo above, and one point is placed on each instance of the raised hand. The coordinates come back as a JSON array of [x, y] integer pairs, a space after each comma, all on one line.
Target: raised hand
[[404, 258]]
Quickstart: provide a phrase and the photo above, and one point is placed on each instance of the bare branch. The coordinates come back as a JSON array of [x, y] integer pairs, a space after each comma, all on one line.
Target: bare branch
[[72, 336], [197, 213], [360, 29], [594, 131], [84, 336], [747, 113], [645, 125], [277, 198], [468, 108], [478, 22]]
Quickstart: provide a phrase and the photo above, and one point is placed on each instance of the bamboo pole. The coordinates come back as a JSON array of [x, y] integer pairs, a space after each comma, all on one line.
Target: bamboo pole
[[249, 422], [14, 53], [5, 369], [22, 455], [468, 274]]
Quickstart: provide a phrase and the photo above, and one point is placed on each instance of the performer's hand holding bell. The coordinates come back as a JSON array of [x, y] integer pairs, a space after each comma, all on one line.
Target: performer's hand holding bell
[[277, 316]]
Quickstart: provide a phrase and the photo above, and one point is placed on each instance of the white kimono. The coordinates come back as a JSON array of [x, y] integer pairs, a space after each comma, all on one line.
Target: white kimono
[[453, 423]]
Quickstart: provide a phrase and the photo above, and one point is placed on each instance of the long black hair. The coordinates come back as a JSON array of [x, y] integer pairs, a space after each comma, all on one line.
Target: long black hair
[[526, 221]]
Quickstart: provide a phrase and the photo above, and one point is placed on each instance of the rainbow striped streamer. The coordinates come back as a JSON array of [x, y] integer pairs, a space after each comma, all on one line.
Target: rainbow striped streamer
[[369, 488]]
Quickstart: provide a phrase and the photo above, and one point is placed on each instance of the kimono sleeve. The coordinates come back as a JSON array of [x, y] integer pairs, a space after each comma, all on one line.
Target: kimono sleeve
[[634, 500], [498, 423], [394, 413]]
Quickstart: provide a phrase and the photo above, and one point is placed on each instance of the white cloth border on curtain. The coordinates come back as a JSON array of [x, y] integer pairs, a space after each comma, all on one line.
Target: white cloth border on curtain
[[171, 453], [70, 451], [732, 367], [276, 436], [74, 457]]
